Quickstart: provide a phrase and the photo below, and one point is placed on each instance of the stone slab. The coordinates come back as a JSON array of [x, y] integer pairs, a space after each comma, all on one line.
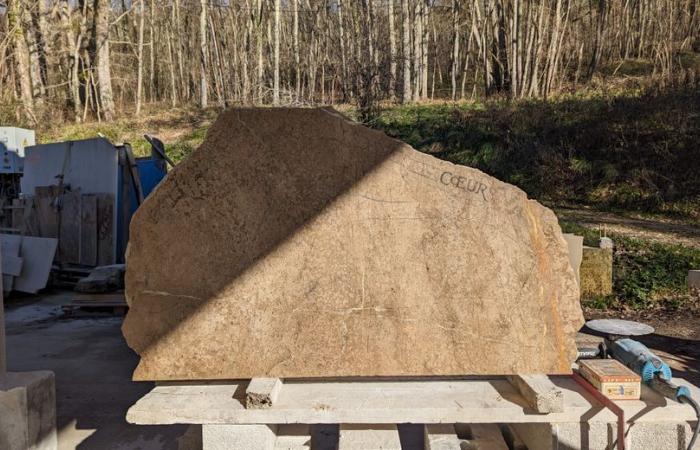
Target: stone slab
[[296, 243], [575, 245], [454, 401], [28, 411], [694, 280], [38, 254], [11, 265], [102, 279], [596, 272]]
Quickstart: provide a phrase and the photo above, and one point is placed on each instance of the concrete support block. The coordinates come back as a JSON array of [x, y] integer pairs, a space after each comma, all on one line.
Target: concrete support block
[[487, 436], [369, 437], [293, 437], [596, 272], [238, 437], [441, 437], [660, 436], [544, 436], [603, 436], [192, 439], [694, 280], [28, 411]]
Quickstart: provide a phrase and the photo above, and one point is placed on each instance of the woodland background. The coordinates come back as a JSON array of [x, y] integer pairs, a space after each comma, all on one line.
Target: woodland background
[[80, 60]]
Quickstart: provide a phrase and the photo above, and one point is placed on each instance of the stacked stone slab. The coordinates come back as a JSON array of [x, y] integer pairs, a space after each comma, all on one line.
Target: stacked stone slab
[[296, 243]]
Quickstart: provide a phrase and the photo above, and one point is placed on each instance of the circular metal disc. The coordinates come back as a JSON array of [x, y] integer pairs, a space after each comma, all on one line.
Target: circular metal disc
[[619, 327]]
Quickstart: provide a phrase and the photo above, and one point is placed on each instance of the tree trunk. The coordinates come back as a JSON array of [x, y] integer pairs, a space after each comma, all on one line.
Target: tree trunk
[[104, 72], [392, 52], [417, 48], [203, 55], [276, 75], [455, 47], [139, 70], [21, 55], [425, 16], [297, 60], [406, 12]]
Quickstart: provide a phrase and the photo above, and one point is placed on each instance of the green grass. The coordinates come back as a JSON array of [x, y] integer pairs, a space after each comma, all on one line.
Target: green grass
[[182, 130], [645, 274], [636, 151]]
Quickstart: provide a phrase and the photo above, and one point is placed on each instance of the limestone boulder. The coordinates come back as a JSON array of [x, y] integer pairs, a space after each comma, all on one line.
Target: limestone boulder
[[296, 243]]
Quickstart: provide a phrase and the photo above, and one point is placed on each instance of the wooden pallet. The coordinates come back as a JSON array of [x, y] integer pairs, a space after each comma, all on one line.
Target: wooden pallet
[[113, 302]]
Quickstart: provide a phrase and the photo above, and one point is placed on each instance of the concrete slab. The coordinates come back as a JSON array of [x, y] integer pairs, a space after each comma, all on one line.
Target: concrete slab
[[371, 402]]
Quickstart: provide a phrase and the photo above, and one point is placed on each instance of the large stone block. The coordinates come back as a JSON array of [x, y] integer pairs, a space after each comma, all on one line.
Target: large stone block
[[28, 411], [296, 243]]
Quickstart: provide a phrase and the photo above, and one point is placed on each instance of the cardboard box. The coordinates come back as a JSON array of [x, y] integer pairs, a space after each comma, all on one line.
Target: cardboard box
[[611, 378]]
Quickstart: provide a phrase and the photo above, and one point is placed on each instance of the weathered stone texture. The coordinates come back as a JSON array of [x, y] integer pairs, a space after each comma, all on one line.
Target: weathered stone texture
[[295, 243]]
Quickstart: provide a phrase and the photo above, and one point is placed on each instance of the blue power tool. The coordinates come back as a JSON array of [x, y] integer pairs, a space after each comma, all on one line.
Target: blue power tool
[[652, 369], [654, 372]]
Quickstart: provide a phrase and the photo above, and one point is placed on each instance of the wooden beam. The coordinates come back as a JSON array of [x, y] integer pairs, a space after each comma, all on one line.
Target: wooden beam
[[262, 392], [539, 391]]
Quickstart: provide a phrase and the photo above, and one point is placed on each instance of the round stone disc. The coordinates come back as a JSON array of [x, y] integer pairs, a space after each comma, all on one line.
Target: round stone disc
[[619, 327]]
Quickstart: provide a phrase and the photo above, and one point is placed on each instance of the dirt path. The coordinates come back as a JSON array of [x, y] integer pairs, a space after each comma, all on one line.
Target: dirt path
[[667, 231]]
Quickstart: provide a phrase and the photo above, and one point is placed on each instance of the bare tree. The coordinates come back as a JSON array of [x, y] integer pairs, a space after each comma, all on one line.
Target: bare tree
[[276, 76], [56, 56], [406, 13], [203, 55], [102, 56]]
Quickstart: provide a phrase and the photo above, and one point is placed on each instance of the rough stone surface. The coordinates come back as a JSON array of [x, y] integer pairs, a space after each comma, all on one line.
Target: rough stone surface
[[596, 272], [102, 279], [28, 411], [295, 243]]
